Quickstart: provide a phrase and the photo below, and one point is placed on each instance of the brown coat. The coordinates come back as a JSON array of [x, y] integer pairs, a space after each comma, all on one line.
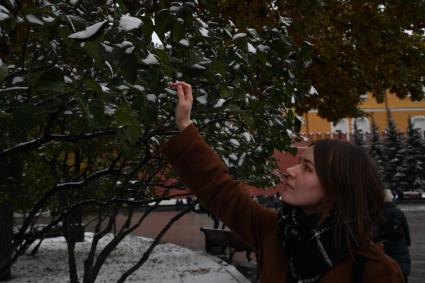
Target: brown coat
[[202, 171]]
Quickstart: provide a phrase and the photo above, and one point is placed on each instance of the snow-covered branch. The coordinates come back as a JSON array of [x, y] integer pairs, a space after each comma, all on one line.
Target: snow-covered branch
[[35, 143], [13, 88]]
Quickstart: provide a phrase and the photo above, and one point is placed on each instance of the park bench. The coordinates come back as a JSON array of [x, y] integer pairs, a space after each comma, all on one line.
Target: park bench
[[224, 242]]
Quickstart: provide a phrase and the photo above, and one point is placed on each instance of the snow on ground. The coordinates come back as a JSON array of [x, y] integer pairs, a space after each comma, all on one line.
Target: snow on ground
[[168, 263]]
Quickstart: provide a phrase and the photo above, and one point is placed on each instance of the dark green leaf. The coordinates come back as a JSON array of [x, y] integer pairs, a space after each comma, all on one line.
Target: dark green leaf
[[93, 48], [3, 71], [50, 80], [93, 86], [97, 111], [147, 28], [128, 64], [163, 23], [25, 117], [177, 31]]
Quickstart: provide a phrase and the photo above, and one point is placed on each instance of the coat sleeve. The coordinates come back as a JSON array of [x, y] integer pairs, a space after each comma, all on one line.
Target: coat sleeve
[[405, 226], [202, 171]]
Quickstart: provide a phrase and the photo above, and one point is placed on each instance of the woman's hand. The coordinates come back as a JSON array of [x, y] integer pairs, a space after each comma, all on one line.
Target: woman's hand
[[184, 104]]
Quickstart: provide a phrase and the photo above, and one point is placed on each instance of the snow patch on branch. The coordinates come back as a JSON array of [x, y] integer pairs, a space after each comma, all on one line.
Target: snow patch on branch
[[128, 23], [88, 32], [34, 20], [150, 60]]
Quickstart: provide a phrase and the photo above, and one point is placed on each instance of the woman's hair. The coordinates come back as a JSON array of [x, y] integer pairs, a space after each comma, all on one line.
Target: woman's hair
[[354, 193]]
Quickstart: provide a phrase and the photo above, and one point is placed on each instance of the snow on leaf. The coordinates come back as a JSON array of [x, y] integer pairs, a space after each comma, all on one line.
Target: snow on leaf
[[175, 9], [239, 35], [242, 159], [204, 31], [122, 87], [104, 88], [263, 48], [107, 47], [110, 68], [251, 48], [234, 142], [128, 23], [151, 97], [247, 136], [150, 60], [34, 20], [17, 80], [198, 67], [202, 99], [48, 19], [170, 91], [3, 16], [139, 88], [88, 32], [124, 44], [219, 103], [313, 91], [184, 42], [129, 50], [3, 9]]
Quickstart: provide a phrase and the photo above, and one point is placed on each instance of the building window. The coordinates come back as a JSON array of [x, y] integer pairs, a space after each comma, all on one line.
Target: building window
[[340, 127], [362, 124], [419, 123]]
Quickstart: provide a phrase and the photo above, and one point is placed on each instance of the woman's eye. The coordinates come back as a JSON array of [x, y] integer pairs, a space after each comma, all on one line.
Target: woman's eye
[[307, 168]]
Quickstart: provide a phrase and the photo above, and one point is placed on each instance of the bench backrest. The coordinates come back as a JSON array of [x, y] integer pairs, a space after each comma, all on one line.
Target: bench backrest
[[217, 237]]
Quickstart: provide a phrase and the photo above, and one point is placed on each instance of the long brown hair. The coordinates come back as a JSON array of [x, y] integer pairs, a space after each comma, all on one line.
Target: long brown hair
[[354, 193]]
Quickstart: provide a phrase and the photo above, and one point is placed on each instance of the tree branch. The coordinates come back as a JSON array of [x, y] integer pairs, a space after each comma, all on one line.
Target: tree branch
[[147, 253]]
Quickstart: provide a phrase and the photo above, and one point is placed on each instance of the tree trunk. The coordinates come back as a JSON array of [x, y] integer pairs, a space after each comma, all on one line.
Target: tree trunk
[[76, 225], [6, 234]]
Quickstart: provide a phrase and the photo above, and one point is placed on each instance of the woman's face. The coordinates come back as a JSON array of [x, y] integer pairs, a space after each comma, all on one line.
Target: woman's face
[[303, 188]]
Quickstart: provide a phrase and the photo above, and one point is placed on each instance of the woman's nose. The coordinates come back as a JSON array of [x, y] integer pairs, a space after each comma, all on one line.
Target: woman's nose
[[290, 172]]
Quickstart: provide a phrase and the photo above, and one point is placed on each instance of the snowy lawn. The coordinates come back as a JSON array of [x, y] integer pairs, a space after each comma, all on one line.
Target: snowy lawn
[[168, 263]]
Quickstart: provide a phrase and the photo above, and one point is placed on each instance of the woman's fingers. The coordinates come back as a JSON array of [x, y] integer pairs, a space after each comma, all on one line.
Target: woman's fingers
[[184, 91], [187, 90], [184, 104], [180, 93]]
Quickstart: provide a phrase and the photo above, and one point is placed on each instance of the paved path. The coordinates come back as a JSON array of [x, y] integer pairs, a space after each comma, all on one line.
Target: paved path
[[415, 214], [186, 233]]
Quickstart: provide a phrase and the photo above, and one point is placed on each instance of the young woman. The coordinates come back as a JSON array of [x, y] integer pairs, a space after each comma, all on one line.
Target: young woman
[[324, 231], [394, 232]]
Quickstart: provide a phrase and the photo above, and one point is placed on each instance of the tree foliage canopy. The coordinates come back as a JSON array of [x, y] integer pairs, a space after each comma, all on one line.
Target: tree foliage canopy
[[359, 46], [85, 103]]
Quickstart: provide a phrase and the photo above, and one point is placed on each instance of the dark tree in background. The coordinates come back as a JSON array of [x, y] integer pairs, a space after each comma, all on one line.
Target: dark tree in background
[[393, 147], [358, 46], [376, 149], [415, 158], [358, 135]]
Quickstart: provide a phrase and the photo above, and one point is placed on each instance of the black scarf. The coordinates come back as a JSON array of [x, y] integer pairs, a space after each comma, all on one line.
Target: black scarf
[[309, 245]]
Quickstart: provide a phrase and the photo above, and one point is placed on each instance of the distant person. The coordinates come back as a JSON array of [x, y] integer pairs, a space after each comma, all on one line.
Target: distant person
[[394, 232], [189, 202], [330, 203]]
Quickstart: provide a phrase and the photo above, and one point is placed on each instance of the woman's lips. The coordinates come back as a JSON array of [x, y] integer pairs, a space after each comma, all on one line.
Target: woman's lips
[[287, 187]]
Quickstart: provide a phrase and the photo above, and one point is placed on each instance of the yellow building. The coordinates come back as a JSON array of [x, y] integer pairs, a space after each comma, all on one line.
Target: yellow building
[[317, 127]]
